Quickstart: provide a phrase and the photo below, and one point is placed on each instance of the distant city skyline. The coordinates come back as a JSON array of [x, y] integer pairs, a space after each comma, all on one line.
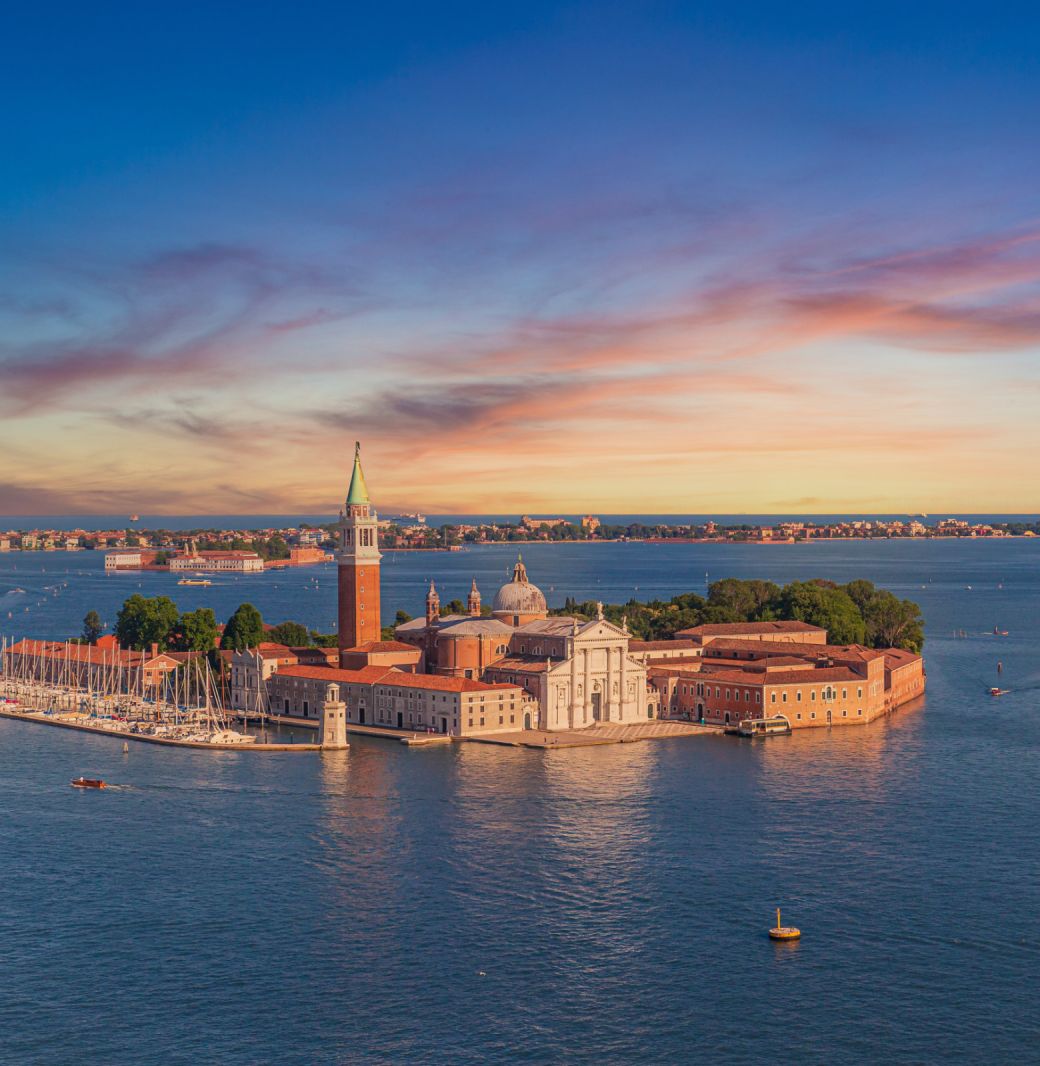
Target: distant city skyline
[[624, 258]]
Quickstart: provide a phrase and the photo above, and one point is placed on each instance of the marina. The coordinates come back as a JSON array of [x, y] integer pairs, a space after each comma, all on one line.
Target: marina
[[122, 695]]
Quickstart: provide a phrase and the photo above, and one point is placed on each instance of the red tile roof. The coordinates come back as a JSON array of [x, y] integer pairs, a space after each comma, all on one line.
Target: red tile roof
[[518, 665], [721, 629], [383, 645], [897, 657], [662, 645], [367, 675], [387, 675], [767, 650]]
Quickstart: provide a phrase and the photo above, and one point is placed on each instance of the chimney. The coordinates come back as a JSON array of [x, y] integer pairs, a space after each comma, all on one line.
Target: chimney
[[155, 649]]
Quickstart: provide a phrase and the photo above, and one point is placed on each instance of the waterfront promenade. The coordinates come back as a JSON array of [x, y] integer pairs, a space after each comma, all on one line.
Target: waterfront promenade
[[528, 738]]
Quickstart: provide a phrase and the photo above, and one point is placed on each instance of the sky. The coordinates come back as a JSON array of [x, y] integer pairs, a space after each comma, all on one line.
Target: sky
[[604, 257]]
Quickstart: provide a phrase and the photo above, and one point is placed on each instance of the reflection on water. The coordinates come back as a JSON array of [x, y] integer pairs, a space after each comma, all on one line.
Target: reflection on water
[[473, 904]]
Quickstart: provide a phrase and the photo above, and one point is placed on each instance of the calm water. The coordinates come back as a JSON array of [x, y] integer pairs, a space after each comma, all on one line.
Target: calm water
[[606, 905]]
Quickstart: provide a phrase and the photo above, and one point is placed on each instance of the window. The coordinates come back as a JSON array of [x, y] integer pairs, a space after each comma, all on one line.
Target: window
[[306, 708], [860, 711], [772, 697], [471, 723], [799, 716], [798, 696], [758, 697], [844, 714], [482, 721], [512, 719], [500, 719], [783, 697], [812, 696], [812, 714], [859, 693], [844, 694]]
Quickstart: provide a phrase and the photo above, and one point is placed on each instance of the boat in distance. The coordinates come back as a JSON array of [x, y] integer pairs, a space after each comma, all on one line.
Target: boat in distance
[[87, 782], [194, 581]]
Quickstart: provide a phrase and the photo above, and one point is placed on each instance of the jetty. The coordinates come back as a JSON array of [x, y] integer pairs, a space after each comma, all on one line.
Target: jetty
[[86, 726]]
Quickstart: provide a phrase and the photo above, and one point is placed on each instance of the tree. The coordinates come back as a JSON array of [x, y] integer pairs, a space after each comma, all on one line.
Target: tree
[[749, 600], [860, 592], [401, 617], [93, 627], [142, 622], [893, 623], [244, 629], [197, 631], [454, 607], [292, 634], [324, 640], [830, 608]]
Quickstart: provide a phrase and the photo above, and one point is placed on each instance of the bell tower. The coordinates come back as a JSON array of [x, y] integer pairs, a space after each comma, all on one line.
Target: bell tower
[[358, 563]]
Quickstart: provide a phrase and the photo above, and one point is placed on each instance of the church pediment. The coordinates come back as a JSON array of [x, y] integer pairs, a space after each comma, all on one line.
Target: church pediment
[[601, 629]]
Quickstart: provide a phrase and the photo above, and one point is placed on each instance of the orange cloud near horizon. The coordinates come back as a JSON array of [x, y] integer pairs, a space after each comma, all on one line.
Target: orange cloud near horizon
[[870, 384]]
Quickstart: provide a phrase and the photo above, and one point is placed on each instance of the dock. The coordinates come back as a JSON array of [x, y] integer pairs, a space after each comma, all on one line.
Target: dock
[[144, 738], [596, 736]]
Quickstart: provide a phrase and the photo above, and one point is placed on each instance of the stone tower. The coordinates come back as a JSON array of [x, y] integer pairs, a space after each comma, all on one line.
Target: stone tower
[[332, 730], [358, 562], [473, 603]]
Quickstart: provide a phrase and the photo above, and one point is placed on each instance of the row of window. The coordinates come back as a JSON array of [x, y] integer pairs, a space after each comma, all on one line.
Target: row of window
[[501, 720], [828, 693]]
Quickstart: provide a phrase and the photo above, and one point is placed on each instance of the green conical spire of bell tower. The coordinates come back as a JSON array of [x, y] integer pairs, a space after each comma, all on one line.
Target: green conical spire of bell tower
[[358, 491]]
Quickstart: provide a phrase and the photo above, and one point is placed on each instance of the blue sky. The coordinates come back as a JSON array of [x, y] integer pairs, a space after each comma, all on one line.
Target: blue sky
[[614, 256]]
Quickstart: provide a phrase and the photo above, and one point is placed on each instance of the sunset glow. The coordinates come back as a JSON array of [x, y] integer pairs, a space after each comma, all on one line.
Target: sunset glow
[[574, 259]]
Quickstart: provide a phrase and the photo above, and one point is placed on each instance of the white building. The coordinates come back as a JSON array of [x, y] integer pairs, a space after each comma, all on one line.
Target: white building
[[123, 560], [223, 561], [581, 673]]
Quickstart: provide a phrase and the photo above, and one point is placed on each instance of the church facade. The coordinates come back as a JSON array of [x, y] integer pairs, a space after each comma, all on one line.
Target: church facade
[[580, 673], [568, 673]]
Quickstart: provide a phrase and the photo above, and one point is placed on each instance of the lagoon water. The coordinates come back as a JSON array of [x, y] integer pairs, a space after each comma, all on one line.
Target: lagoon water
[[473, 904]]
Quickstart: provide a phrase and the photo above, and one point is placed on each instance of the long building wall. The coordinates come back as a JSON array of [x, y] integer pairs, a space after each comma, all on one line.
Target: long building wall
[[402, 701]]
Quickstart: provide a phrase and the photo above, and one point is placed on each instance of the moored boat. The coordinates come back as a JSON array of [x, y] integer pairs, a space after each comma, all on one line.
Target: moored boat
[[777, 726]]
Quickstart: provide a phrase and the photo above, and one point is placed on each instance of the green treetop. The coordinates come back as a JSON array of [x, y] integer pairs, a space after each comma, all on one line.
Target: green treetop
[[244, 629]]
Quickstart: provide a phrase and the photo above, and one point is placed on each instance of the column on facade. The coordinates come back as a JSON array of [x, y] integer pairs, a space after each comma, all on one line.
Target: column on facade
[[624, 681], [575, 706], [614, 704], [588, 686]]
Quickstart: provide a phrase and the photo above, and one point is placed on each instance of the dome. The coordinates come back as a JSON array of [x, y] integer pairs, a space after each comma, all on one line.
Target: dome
[[519, 596]]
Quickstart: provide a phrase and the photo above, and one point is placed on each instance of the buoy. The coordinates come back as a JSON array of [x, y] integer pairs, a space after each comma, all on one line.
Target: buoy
[[783, 932]]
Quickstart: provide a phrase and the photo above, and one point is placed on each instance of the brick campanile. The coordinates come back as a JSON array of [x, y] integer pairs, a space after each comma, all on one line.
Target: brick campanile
[[358, 564]]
